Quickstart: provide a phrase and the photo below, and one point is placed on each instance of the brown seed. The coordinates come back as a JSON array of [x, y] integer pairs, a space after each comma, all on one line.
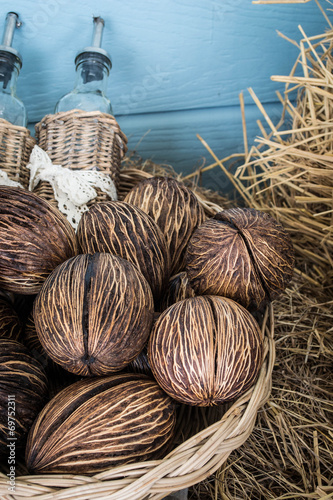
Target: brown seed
[[94, 313], [125, 230], [31, 341], [10, 324], [34, 238], [140, 364], [23, 392], [174, 208], [178, 289], [99, 423], [243, 254], [205, 350]]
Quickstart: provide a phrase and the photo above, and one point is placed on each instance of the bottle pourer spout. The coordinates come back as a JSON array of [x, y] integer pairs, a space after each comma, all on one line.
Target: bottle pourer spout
[[12, 22], [94, 54], [9, 57], [98, 32]]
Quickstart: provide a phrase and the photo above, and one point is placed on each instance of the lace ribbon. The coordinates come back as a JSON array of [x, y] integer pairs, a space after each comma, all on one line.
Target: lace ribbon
[[73, 189], [6, 181]]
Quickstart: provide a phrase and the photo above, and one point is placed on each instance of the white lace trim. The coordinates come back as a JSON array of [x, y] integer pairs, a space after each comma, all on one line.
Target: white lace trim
[[72, 188], [6, 181]]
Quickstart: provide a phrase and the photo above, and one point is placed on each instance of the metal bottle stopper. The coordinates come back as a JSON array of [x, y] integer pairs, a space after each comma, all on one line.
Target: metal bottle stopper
[[8, 55], [94, 53]]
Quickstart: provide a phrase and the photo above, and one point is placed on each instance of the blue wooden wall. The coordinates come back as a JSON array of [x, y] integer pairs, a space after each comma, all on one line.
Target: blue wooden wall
[[178, 66]]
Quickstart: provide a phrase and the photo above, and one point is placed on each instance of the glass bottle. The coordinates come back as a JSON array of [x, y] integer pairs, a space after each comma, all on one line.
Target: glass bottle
[[93, 65], [12, 109]]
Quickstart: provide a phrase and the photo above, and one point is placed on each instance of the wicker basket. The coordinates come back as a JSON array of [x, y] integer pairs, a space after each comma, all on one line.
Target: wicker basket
[[190, 462], [204, 438], [81, 140], [16, 145]]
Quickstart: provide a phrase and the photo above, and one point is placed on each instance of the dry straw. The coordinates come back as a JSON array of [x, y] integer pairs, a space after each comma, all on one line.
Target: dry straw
[[289, 453], [289, 173]]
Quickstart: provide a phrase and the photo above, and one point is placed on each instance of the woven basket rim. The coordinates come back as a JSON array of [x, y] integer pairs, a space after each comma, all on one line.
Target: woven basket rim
[[17, 128], [78, 114], [189, 463]]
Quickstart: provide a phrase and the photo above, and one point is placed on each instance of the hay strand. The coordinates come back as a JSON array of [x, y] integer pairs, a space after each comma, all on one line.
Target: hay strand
[[288, 172]]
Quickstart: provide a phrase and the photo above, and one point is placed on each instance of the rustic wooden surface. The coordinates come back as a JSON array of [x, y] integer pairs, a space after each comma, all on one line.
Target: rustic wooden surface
[[178, 66]]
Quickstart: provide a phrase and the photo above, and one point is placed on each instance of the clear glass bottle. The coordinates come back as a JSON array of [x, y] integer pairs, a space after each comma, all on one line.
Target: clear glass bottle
[[93, 65], [12, 108]]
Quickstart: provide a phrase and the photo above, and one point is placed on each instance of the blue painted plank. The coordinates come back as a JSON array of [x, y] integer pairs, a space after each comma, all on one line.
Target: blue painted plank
[[184, 54], [170, 138]]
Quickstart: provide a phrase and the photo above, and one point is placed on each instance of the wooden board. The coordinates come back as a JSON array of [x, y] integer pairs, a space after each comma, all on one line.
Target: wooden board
[[166, 56], [171, 138], [178, 66]]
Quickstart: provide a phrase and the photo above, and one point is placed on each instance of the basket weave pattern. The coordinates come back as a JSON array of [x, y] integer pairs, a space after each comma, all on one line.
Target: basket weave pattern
[[81, 140], [16, 145]]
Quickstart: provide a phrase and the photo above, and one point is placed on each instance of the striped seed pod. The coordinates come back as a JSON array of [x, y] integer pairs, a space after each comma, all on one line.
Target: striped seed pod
[[31, 341], [206, 350], [243, 254], [34, 238], [125, 230], [99, 423], [94, 313], [174, 208], [178, 289], [23, 393], [10, 323], [140, 364]]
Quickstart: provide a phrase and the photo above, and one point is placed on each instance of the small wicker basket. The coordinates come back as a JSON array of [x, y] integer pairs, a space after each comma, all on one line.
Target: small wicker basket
[[204, 438], [16, 145], [81, 140]]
